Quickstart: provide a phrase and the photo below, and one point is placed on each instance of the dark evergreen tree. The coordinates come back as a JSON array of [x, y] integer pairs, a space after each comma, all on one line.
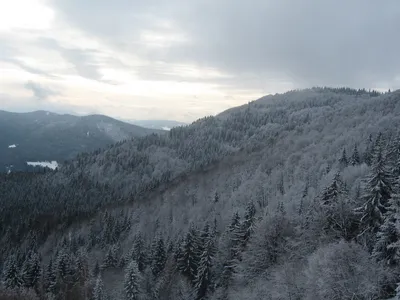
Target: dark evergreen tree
[[50, 278], [98, 290], [31, 270], [111, 258], [159, 257], [133, 282], [355, 157], [378, 191], [188, 257], [249, 222], [343, 162], [138, 252], [11, 276], [203, 275], [387, 247]]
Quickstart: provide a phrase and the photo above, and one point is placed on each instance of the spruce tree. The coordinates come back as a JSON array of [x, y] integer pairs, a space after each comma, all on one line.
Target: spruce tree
[[249, 222], [31, 270], [203, 275], [343, 162], [98, 290], [378, 191], [387, 247], [355, 157], [138, 252], [133, 282], [50, 278], [159, 257], [11, 277], [188, 256]]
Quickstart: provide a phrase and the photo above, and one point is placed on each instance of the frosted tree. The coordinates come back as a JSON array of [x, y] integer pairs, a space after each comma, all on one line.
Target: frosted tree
[[98, 290], [249, 222], [133, 282], [188, 257], [111, 258], [31, 270], [387, 247], [203, 275], [378, 190], [11, 277], [355, 157], [50, 278], [159, 257], [343, 161], [138, 252]]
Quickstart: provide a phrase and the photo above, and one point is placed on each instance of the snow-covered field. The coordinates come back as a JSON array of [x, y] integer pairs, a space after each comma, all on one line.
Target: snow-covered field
[[49, 164], [12, 146]]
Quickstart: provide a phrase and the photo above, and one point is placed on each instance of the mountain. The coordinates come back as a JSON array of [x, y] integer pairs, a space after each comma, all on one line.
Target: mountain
[[157, 124], [45, 136], [292, 196]]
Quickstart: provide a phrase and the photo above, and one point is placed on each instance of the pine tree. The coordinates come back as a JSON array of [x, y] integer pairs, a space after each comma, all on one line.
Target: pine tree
[[203, 275], [82, 266], [159, 257], [111, 258], [138, 252], [355, 157], [216, 197], [98, 290], [332, 192], [378, 191], [343, 162], [50, 279], [235, 222], [188, 257], [96, 270], [387, 247], [31, 270], [249, 222], [11, 276], [132, 282]]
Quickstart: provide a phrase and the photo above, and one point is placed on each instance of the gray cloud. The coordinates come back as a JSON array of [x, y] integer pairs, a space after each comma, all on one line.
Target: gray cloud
[[40, 92], [8, 54], [82, 60], [309, 42]]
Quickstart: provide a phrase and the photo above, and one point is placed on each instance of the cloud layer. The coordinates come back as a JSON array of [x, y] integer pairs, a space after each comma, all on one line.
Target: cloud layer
[[185, 59]]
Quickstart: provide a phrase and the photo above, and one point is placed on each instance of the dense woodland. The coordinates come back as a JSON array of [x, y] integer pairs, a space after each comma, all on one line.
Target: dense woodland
[[292, 196]]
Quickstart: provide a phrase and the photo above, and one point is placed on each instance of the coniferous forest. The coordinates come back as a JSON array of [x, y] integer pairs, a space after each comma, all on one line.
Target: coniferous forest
[[292, 196]]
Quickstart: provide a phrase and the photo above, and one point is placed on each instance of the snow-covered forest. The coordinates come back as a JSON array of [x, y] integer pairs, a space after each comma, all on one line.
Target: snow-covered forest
[[292, 196]]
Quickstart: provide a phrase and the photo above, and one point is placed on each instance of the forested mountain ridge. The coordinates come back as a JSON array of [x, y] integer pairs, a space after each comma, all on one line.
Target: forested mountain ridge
[[45, 136], [263, 201]]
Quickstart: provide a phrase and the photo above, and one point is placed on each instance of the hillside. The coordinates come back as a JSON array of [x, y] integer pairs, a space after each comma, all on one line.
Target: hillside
[[288, 197], [44, 136], [157, 124]]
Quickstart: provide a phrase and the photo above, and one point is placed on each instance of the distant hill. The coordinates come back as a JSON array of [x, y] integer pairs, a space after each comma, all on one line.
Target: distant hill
[[44, 136], [157, 124]]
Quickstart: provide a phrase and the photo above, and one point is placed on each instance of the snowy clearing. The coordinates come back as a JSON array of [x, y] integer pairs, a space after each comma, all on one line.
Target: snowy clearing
[[166, 128], [12, 146], [52, 165]]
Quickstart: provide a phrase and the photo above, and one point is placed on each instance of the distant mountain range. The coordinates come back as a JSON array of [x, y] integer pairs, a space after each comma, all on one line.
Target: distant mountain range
[[157, 124], [42, 136]]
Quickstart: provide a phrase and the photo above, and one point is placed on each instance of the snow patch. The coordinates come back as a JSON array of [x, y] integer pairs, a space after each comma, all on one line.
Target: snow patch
[[49, 164], [12, 146], [87, 133], [166, 128]]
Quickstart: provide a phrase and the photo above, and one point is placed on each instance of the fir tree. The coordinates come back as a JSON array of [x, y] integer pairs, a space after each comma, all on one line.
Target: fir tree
[[138, 252], [132, 282], [111, 258], [355, 157], [159, 257], [343, 162], [235, 222], [378, 191], [11, 277], [31, 270], [50, 278], [188, 257], [203, 275], [387, 247], [98, 290], [249, 222]]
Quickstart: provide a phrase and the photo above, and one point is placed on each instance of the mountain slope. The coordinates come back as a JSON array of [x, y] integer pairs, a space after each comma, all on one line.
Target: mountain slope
[[157, 124], [45, 136], [249, 192]]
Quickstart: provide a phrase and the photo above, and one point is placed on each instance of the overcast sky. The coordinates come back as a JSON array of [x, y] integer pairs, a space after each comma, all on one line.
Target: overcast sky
[[184, 59]]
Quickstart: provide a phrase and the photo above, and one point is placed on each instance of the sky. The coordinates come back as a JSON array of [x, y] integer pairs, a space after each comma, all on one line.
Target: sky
[[185, 59]]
